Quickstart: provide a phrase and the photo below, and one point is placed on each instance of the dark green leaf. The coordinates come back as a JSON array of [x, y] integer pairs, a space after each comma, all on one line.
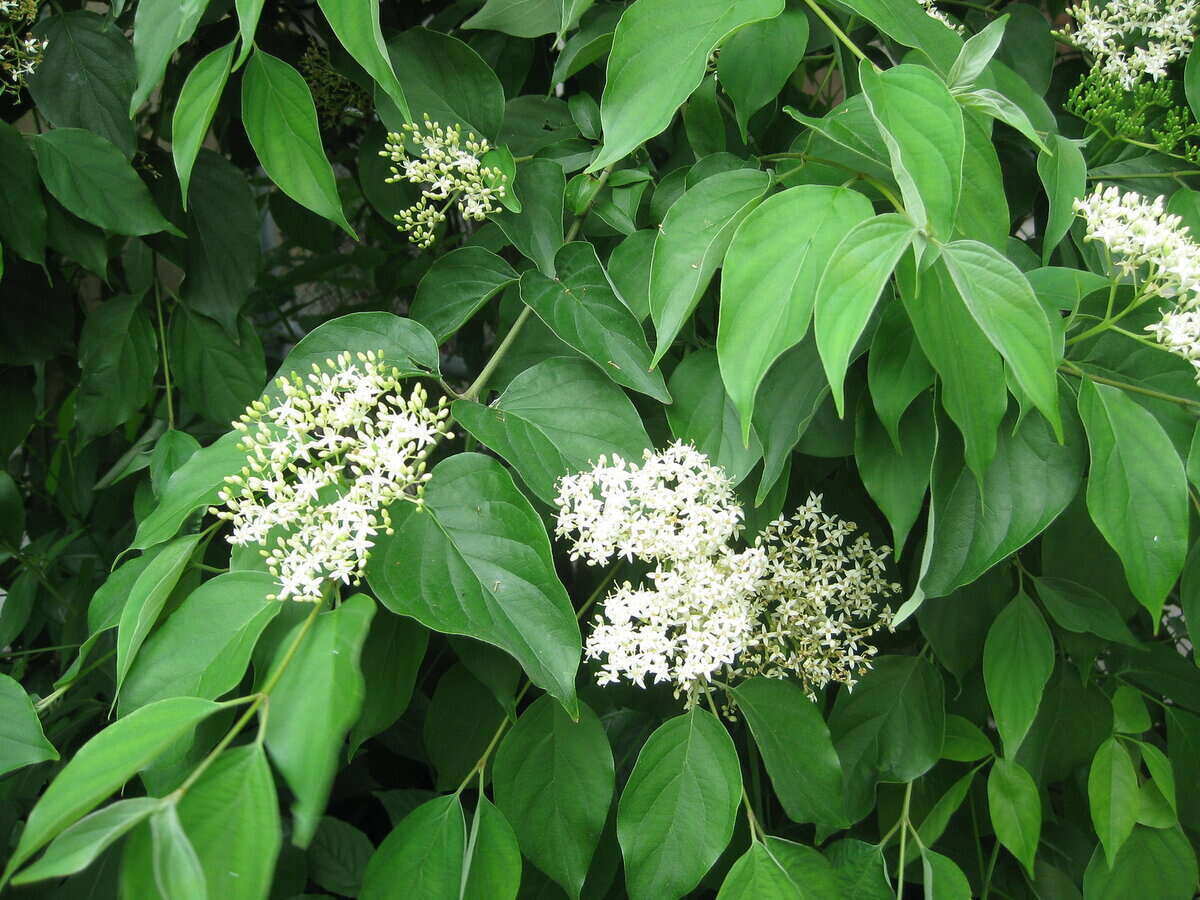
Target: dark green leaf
[[755, 63], [391, 658], [537, 231], [404, 344], [554, 782], [456, 286], [217, 377], [459, 725], [555, 418], [476, 561], [356, 24], [1078, 608], [314, 704], [1154, 862], [91, 178], [896, 481], [118, 356], [581, 307], [1015, 809], [677, 809], [22, 742], [338, 857], [422, 857], [1064, 176], [796, 749], [22, 211], [757, 875], [703, 415]]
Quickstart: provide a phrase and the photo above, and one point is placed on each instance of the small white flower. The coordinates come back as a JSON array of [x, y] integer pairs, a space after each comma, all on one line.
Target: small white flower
[[1133, 39], [324, 459]]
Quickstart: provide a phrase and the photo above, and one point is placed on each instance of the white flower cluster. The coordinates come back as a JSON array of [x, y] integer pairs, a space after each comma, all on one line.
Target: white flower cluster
[[451, 172], [931, 10], [1147, 243], [324, 459], [800, 601], [20, 55], [1133, 39]]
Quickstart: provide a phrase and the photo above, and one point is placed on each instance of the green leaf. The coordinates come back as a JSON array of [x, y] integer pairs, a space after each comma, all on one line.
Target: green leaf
[[194, 111], [75, 239], [554, 782], [445, 79], [194, 485], [314, 704], [118, 356], [405, 344], [248, 13], [971, 371], [896, 481], [22, 210], [231, 816], [218, 377], [912, 27], [86, 77], [976, 524], [944, 880], [758, 875], [692, 241], [677, 809], [356, 24], [391, 658], [520, 18], [1137, 491], [1015, 809], [922, 125], [796, 749], [1018, 658], [1154, 862], [933, 826], [460, 724], [994, 104], [81, 844], [494, 857], [1004, 306], [338, 856], [581, 307], [769, 280], [177, 870], [629, 270], [147, 598], [423, 855], [171, 451], [537, 231], [976, 53], [1078, 608], [1113, 796], [703, 415], [756, 61], [1063, 173], [105, 763], [897, 370], [1191, 84], [281, 123], [91, 178], [658, 57], [854, 277], [160, 27], [476, 561], [456, 286], [889, 728], [204, 646], [22, 742], [860, 870], [556, 417], [964, 741]]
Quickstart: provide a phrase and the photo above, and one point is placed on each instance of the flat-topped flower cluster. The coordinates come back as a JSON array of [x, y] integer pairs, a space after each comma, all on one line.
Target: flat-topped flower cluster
[[801, 601], [325, 456], [450, 171], [1130, 40], [1155, 248]]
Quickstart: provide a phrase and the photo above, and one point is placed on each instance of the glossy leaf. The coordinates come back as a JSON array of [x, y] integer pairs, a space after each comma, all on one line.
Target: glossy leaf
[[758, 874], [356, 24], [22, 742], [1015, 809], [456, 286], [404, 344], [160, 27], [80, 845], [1113, 796], [422, 857], [1063, 173], [477, 562], [537, 230], [494, 871], [897, 482], [194, 111]]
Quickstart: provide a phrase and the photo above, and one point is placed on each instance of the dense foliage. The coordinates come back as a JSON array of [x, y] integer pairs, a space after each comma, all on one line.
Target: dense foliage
[[610, 343]]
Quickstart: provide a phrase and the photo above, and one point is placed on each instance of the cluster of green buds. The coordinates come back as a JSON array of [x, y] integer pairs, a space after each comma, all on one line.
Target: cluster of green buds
[[1151, 112], [333, 93], [450, 171], [20, 52]]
